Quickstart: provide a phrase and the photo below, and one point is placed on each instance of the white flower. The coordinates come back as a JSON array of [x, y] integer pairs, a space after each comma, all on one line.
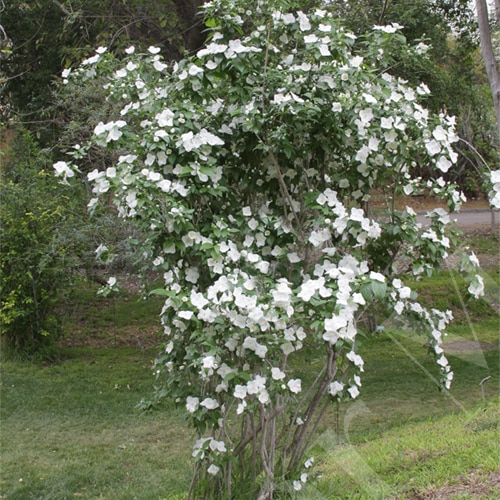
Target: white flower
[[442, 361], [165, 118], [391, 28], [198, 300], [240, 391], [421, 48], [213, 469], [111, 172], [295, 385], [319, 237], [277, 374], [399, 307], [264, 397], [192, 275], [194, 70], [218, 446], [310, 38], [443, 164], [304, 23], [185, 314], [209, 403], [287, 18], [408, 189], [433, 147], [209, 362], [335, 387], [212, 48], [366, 115], [308, 289], [154, 50], [63, 169], [100, 250], [257, 385], [335, 323], [287, 348], [495, 176], [241, 407], [159, 66], [353, 391], [356, 61], [192, 404], [324, 50], [261, 351], [369, 98], [377, 276], [282, 294], [473, 259], [356, 359], [476, 288]]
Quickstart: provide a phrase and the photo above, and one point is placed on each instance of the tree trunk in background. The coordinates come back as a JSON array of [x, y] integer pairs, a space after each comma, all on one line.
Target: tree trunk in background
[[188, 12], [488, 54]]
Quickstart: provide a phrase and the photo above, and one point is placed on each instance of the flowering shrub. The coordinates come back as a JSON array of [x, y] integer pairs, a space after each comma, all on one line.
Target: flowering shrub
[[251, 167]]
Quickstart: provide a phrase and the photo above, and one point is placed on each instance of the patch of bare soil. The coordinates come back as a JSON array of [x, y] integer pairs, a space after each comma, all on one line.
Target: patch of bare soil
[[467, 346], [130, 336], [486, 260], [474, 485]]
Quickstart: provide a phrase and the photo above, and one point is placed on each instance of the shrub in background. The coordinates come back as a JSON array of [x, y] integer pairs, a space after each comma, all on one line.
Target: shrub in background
[[37, 245]]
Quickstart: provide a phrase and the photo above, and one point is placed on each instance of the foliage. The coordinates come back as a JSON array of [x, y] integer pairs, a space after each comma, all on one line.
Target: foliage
[[448, 31], [37, 246], [41, 37], [250, 169]]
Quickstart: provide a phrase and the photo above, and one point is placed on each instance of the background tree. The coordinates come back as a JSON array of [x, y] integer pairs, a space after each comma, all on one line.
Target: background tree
[[488, 52], [456, 79], [42, 37]]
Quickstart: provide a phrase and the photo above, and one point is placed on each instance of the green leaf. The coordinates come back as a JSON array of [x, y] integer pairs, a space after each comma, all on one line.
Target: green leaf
[[379, 289]]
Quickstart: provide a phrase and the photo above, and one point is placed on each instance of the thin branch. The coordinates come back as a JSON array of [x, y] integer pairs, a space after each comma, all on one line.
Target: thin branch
[[382, 14], [296, 447], [286, 193], [477, 153], [266, 60]]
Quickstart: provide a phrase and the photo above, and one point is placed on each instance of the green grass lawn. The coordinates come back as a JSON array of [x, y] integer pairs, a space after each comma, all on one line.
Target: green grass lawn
[[72, 430]]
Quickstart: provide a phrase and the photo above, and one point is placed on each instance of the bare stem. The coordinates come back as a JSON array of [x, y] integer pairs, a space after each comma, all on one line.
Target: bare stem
[[297, 445]]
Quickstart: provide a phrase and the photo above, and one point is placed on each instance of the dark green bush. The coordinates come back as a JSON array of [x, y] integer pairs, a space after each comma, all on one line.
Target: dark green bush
[[37, 249]]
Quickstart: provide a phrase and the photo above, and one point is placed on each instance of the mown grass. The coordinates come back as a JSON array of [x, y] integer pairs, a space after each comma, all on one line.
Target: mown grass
[[72, 429], [413, 460]]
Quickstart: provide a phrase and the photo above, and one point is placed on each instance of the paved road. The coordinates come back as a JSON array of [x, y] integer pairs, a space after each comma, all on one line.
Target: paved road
[[469, 218]]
